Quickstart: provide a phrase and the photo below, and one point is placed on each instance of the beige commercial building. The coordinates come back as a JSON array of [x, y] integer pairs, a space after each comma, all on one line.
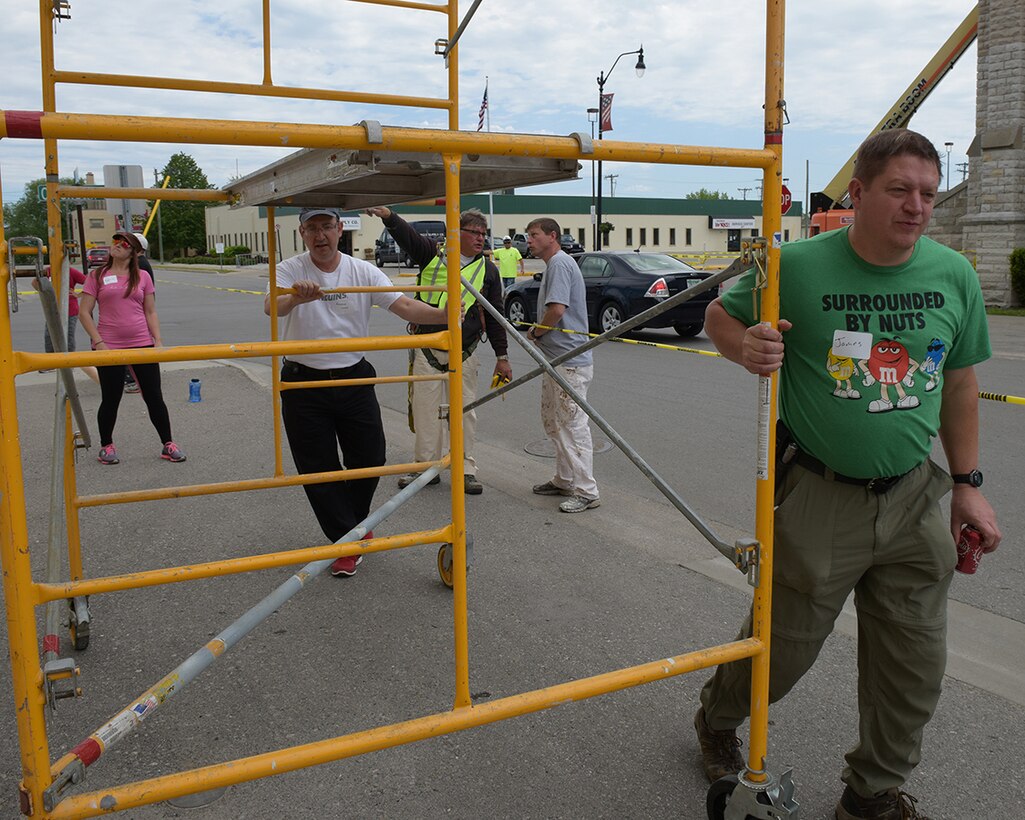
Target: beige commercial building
[[668, 225]]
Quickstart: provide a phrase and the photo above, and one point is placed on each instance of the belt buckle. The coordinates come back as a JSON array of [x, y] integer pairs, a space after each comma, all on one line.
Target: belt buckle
[[880, 486]]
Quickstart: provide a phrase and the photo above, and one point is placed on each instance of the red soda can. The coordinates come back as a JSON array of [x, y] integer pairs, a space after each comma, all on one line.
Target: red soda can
[[969, 551]]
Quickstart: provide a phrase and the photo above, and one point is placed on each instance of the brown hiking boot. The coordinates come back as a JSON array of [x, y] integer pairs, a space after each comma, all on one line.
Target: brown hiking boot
[[892, 804], [720, 751]]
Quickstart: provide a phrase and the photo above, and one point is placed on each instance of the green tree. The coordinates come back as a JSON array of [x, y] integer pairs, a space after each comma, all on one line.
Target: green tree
[[704, 193], [27, 216], [183, 223]]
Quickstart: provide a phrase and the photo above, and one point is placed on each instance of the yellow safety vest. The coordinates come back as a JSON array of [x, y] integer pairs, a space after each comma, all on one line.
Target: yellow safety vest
[[435, 274]]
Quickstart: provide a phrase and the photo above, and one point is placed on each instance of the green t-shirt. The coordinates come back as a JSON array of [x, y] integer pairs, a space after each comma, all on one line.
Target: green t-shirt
[[508, 261], [862, 378]]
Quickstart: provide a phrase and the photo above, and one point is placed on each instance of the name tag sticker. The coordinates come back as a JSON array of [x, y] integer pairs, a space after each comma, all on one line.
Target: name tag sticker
[[110, 279], [339, 302], [851, 343]]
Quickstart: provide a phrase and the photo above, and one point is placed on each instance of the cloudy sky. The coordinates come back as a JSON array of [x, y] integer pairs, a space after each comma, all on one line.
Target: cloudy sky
[[846, 63]]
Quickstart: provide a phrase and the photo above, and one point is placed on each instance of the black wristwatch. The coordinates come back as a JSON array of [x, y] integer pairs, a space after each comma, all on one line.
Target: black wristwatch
[[972, 479]]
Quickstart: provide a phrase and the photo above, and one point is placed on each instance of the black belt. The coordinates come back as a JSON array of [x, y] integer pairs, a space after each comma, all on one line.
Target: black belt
[[879, 485], [316, 374]]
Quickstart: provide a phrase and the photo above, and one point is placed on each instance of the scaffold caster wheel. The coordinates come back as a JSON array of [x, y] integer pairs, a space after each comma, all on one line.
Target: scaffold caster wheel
[[445, 564], [719, 794], [79, 632], [445, 561]]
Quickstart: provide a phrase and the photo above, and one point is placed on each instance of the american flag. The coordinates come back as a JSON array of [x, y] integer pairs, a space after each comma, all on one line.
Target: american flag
[[606, 112], [483, 110]]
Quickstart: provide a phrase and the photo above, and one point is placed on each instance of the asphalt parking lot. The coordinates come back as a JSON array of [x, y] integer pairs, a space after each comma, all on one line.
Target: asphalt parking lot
[[552, 598]]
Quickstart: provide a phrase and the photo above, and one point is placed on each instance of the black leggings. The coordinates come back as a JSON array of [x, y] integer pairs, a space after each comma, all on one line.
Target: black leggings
[[112, 386]]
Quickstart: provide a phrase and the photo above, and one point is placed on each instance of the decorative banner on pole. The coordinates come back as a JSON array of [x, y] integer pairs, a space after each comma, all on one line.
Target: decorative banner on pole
[[606, 112]]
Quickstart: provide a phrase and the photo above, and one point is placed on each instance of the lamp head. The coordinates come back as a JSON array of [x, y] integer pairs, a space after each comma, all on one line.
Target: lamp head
[[639, 68]]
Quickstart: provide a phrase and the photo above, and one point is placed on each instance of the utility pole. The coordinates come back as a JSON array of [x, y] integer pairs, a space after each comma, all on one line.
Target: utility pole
[[744, 191], [963, 168], [160, 226], [612, 182]]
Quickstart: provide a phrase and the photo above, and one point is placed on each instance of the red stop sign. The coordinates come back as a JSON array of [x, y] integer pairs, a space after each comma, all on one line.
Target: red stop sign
[[785, 200]]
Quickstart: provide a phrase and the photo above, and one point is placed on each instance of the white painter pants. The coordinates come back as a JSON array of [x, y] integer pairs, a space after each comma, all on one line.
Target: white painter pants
[[432, 432], [567, 426]]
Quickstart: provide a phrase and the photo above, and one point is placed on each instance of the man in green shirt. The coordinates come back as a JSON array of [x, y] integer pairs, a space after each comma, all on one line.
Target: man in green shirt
[[882, 330], [508, 259]]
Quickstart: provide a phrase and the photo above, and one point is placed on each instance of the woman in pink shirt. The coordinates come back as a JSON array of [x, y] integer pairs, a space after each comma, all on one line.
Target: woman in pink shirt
[[128, 318]]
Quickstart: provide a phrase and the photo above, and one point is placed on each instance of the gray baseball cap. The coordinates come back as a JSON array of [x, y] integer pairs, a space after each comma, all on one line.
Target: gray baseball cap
[[307, 213]]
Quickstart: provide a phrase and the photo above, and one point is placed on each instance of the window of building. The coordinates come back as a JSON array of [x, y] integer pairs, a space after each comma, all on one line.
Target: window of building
[[688, 236], [672, 236], [95, 223], [786, 234], [654, 237], [754, 232], [582, 237], [629, 237], [644, 236]]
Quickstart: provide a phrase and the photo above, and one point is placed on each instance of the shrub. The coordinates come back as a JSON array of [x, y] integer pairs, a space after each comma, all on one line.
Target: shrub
[[196, 260], [1018, 274]]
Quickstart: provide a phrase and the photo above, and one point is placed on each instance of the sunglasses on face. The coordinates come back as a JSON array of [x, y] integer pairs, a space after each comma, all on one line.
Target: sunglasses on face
[[121, 242]]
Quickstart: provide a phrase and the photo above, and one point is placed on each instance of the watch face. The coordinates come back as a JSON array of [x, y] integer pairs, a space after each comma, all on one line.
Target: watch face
[[972, 479]]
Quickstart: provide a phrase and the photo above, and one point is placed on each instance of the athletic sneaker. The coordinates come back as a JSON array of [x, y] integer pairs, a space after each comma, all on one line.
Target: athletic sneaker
[[409, 478], [108, 455], [172, 452], [578, 504], [131, 385], [548, 488], [345, 567]]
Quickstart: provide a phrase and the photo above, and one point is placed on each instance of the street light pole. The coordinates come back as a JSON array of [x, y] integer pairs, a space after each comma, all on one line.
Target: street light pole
[[592, 117], [948, 146], [602, 79]]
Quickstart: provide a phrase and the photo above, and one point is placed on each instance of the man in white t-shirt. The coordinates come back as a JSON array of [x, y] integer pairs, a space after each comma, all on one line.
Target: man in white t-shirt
[[319, 421]]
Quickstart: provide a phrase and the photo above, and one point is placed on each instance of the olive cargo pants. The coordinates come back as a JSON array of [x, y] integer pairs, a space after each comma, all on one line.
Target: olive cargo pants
[[896, 552]]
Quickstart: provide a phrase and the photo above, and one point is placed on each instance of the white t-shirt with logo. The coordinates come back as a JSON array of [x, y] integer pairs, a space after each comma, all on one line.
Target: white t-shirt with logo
[[334, 315]]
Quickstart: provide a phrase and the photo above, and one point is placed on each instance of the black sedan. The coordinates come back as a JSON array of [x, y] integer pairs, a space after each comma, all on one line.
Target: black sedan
[[621, 284]]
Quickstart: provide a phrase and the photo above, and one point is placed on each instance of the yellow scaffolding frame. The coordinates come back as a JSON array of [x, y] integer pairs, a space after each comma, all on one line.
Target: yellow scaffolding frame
[[24, 594]]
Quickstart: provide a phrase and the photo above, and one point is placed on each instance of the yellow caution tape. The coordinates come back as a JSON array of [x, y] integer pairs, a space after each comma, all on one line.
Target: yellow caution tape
[[629, 341], [1002, 397], [213, 287]]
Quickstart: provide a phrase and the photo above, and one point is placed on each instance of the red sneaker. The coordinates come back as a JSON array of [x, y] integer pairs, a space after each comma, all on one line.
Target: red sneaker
[[345, 567]]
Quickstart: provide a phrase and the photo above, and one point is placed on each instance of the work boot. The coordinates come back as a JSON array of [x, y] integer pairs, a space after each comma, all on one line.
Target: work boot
[[720, 751], [471, 486], [409, 478], [892, 804]]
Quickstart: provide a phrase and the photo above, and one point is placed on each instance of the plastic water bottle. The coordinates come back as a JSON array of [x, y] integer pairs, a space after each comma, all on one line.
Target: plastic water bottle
[[194, 386]]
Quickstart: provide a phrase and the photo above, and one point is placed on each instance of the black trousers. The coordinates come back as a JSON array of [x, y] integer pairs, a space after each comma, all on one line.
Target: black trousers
[[112, 387], [319, 421]]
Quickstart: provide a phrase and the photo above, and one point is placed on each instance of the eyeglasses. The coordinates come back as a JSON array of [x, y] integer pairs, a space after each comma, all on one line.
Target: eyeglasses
[[306, 227], [120, 242], [481, 234]]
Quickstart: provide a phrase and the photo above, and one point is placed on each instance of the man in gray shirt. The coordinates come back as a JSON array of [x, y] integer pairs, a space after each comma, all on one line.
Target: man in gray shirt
[[561, 304]]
